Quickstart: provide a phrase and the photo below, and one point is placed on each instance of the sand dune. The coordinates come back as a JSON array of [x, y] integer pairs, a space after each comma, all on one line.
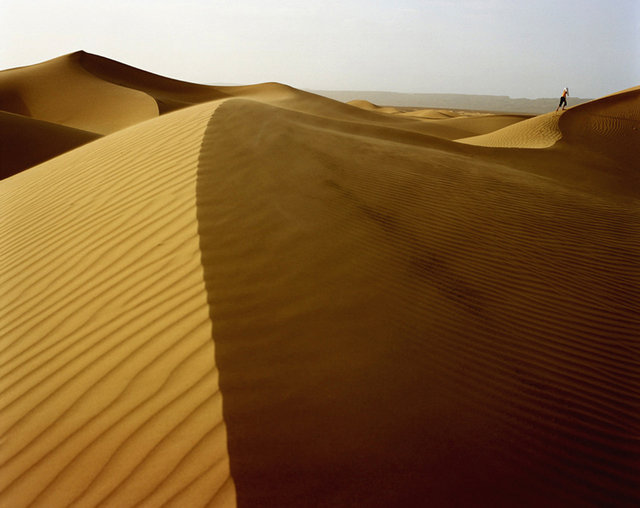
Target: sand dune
[[420, 320], [44, 141], [494, 103], [537, 132], [481, 123], [448, 124], [274, 299], [109, 386], [100, 96], [610, 123], [61, 91]]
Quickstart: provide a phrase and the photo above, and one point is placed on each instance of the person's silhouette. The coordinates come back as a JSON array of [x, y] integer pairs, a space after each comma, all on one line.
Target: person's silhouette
[[563, 99]]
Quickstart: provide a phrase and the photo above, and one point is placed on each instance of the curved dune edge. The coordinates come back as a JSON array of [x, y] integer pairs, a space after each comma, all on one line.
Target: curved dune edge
[[26, 142], [537, 132], [62, 91], [611, 123], [108, 95], [109, 392], [414, 326], [446, 124], [398, 320], [101, 95]]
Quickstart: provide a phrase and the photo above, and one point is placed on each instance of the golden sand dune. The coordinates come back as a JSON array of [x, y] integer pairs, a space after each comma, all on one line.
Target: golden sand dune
[[44, 141], [98, 95], [420, 320], [448, 124], [481, 123], [65, 89], [273, 299], [612, 122], [466, 124], [538, 132], [109, 386], [610, 125], [62, 91], [432, 114], [362, 104]]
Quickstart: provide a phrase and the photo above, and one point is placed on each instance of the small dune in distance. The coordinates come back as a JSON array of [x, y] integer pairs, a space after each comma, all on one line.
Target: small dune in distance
[[486, 103], [258, 296]]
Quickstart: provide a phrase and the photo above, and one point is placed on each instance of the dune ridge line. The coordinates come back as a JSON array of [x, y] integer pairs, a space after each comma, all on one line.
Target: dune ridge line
[[107, 356], [257, 296]]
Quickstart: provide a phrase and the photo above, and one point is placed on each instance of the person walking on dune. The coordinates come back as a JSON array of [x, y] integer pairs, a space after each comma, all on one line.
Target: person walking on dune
[[563, 99]]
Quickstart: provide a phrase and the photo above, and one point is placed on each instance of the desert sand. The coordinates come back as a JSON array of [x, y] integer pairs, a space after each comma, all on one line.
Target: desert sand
[[257, 296], [446, 101]]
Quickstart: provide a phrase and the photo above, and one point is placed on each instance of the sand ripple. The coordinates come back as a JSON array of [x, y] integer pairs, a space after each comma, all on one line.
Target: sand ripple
[[109, 387]]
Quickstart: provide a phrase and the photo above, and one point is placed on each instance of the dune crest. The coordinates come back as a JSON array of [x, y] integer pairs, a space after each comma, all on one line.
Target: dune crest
[[109, 387], [98, 96], [447, 124], [611, 122], [537, 132], [254, 295], [420, 319], [61, 91], [610, 125]]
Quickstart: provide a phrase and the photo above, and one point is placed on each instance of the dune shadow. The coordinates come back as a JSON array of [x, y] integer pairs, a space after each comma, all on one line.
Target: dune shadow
[[323, 407], [359, 364]]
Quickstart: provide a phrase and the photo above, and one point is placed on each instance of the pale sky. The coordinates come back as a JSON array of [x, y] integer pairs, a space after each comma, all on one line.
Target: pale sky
[[520, 48]]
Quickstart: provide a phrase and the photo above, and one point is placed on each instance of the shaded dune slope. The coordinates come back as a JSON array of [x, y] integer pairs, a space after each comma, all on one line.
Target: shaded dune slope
[[109, 389], [25, 142], [415, 325]]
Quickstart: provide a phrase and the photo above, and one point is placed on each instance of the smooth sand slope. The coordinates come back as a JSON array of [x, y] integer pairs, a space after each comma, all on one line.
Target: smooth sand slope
[[448, 124], [537, 132], [273, 299], [93, 95], [63, 91]]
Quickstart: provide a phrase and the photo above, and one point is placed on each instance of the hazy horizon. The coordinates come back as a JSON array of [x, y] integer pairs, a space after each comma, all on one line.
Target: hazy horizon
[[483, 47]]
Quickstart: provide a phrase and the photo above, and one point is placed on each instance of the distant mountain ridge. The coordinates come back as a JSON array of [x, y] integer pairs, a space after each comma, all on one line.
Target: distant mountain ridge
[[497, 103]]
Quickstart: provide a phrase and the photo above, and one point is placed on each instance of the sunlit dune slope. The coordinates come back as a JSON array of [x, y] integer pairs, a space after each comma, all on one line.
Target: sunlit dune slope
[[275, 299], [100, 96], [109, 390], [170, 94], [97, 94], [481, 123], [447, 124], [62, 91], [103, 95], [362, 104], [610, 125], [25, 142], [538, 132]]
